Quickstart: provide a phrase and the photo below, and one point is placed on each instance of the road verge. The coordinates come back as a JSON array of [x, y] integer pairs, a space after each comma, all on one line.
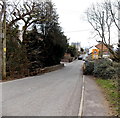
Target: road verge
[[110, 90]]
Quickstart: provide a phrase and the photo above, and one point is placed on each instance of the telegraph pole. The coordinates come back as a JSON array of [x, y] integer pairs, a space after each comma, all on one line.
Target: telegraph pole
[[1, 49], [4, 44]]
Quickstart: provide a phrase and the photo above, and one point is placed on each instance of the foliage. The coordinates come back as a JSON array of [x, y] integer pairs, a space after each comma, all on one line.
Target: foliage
[[103, 68], [111, 91], [45, 51], [45, 43], [118, 52], [34, 46], [55, 45], [117, 68], [82, 50], [72, 51], [88, 68], [16, 57], [106, 69]]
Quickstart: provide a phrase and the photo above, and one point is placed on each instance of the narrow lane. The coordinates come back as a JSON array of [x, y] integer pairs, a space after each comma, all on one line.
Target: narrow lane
[[52, 94]]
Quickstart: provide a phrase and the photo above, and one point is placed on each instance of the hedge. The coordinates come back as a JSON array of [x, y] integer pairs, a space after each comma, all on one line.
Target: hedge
[[103, 68]]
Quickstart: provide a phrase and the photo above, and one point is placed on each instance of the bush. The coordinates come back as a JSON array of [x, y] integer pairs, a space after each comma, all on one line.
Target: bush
[[70, 59], [117, 68], [109, 73], [88, 68], [104, 68]]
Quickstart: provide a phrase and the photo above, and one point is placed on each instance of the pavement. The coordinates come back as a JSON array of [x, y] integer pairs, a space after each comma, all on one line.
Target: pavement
[[0, 65], [57, 93], [0, 100], [95, 103], [0, 78]]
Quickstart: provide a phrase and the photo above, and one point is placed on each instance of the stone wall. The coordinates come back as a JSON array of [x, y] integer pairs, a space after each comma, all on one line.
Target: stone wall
[[40, 71]]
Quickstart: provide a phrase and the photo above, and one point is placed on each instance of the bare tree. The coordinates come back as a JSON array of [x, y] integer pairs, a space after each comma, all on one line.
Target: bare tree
[[114, 9], [29, 12], [2, 4], [101, 19]]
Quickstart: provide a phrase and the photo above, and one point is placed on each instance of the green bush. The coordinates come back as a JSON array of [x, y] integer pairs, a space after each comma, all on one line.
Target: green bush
[[104, 68], [88, 68], [109, 73], [117, 68]]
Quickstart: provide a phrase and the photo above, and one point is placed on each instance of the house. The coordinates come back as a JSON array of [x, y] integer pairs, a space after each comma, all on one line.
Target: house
[[99, 47], [91, 48], [105, 49]]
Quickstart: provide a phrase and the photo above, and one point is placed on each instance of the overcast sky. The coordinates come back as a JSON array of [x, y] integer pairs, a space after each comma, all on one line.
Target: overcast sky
[[74, 23]]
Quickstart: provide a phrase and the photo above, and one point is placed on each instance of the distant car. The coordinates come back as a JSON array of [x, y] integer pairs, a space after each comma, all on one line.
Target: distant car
[[80, 57], [85, 58]]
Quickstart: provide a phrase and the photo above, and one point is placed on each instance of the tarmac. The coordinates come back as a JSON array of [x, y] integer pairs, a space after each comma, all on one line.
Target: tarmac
[[94, 103]]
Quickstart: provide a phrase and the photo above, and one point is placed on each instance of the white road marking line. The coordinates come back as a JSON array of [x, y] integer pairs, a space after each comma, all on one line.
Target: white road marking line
[[82, 99]]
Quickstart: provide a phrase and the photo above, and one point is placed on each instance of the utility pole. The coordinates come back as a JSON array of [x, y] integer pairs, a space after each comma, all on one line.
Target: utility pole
[[1, 49], [102, 34], [4, 44]]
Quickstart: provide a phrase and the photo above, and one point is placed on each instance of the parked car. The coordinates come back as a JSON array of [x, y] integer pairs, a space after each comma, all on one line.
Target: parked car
[[80, 57]]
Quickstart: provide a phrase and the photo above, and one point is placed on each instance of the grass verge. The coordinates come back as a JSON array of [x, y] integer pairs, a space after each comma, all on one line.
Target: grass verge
[[110, 88]]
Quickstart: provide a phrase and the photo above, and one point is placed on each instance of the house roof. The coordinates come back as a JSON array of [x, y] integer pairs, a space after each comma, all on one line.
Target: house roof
[[99, 46]]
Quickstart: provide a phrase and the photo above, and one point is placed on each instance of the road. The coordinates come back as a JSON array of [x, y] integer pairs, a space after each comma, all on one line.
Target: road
[[57, 93]]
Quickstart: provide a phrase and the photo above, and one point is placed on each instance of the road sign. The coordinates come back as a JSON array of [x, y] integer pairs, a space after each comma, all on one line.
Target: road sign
[[95, 53]]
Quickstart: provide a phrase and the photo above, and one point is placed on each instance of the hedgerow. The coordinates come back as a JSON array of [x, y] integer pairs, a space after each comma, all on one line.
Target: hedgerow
[[103, 68]]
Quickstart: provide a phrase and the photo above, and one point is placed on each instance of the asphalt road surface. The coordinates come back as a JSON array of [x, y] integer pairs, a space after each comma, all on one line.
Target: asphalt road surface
[[56, 93]]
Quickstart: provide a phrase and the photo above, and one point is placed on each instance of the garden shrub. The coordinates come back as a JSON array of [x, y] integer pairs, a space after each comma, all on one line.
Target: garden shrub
[[88, 68], [104, 68], [109, 73], [117, 68]]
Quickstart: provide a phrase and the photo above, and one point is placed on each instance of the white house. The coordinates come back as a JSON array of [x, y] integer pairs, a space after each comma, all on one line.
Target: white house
[[90, 49]]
